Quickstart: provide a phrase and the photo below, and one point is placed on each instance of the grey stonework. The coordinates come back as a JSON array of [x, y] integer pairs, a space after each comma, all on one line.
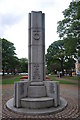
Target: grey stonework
[[37, 103], [41, 111], [20, 91], [36, 93], [36, 46], [53, 90], [33, 90]]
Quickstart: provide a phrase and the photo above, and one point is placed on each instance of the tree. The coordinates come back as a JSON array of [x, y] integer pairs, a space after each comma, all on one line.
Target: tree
[[69, 65], [63, 52], [58, 59], [55, 56], [70, 47], [13, 65], [8, 54], [23, 64], [69, 27]]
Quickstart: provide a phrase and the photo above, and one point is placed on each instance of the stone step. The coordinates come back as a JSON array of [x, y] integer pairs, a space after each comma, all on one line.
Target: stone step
[[37, 91], [36, 84], [37, 103]]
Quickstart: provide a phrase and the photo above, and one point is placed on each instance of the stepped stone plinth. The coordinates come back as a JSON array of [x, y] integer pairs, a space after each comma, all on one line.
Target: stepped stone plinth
[[36, 95]]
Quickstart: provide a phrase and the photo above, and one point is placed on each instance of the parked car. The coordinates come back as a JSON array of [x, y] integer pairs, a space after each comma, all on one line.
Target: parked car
[[23, 73]]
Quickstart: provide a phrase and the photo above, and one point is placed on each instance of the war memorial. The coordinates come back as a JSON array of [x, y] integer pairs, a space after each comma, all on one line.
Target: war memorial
[[36, 96]]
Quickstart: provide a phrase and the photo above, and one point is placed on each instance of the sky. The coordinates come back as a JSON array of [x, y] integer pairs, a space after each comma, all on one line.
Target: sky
[[14, 21]]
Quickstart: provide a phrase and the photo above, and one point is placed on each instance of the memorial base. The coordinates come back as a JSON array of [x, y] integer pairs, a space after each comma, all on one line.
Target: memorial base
[[36, 98], [45, 111]]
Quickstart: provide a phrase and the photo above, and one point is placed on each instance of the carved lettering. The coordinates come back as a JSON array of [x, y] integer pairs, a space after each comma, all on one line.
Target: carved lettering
[[36, 72]]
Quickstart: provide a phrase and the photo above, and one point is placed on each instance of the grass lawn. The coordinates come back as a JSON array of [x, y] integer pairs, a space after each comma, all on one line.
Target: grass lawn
[[14, 78], [63, 80], [66, 82], [10, 79], [71, 78]]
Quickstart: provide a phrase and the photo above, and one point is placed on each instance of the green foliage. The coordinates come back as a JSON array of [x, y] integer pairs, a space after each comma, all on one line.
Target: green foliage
[[55, 56], [10, 62], [69, 64], [23, 62], [70, 46], [62, 53], [9, 58], [60, 56], [69, 27], [7, 49]]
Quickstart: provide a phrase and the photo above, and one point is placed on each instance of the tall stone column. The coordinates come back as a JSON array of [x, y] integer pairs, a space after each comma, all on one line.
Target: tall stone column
[[36, 66]]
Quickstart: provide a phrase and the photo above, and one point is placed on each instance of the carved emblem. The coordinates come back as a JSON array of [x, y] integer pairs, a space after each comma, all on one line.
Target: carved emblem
[[36, 35]]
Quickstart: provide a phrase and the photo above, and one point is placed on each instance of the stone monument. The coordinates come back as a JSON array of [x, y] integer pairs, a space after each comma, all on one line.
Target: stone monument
[[36, 95]]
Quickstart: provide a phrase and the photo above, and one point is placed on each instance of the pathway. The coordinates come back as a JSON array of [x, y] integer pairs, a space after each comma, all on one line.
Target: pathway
[[69, 92]]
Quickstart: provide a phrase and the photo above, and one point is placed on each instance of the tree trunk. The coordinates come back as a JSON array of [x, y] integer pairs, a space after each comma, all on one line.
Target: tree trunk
[[14, 71], [71, 73], [3, 71], [62, 68]]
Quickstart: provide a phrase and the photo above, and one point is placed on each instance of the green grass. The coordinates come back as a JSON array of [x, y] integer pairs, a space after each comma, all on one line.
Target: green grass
[[71, 78], [10, 80], [52, 77], [66, 82], [62, 81], [65, 77]]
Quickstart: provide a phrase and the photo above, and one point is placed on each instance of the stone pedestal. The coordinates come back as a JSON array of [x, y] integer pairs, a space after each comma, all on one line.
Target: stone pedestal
[[36, 94], [46, 94]]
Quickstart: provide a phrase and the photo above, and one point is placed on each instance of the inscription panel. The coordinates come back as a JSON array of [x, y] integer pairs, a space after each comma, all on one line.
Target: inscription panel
[[37, 72]]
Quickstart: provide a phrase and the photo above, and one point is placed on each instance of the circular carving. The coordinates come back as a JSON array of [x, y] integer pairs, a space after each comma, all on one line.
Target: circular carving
[[36, 36]]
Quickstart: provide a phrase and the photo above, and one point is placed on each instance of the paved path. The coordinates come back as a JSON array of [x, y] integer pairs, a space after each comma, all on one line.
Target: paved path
[[69, 92]]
